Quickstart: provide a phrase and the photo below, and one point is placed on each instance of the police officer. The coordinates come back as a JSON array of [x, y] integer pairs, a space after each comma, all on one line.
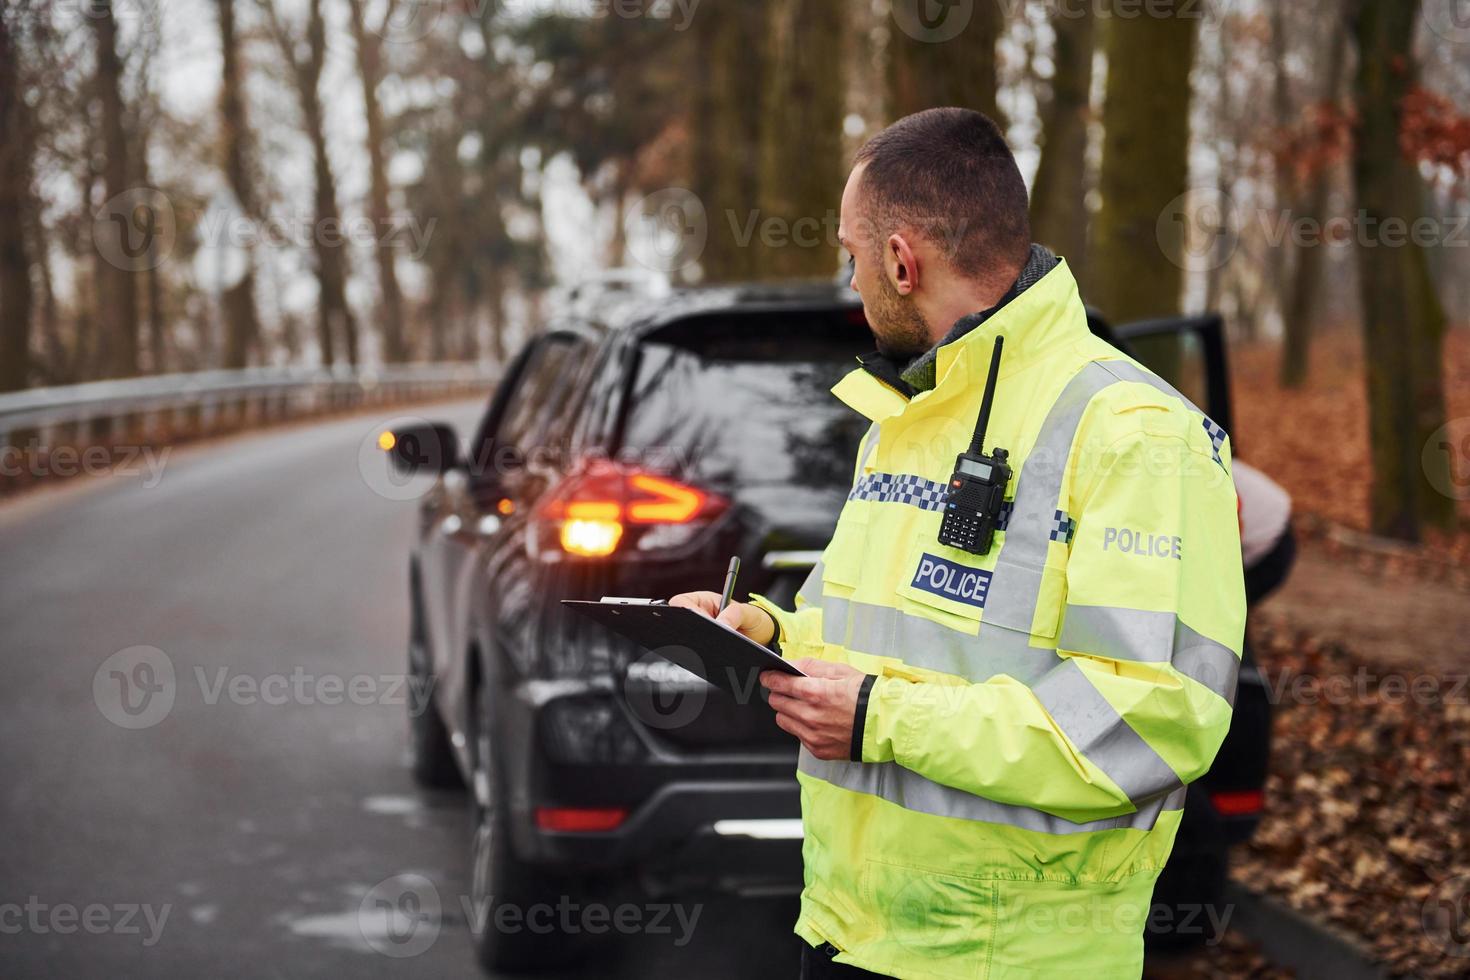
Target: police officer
[[994, 747]]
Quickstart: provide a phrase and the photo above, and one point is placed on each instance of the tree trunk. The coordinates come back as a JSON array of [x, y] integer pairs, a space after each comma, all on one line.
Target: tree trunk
[[117, 285], [15, 204], [730, 45], [1226, 145], [1298, 317], [1135, 266], [369, 66], [242, 326], [1403, 322], [334, 316], [942, 62], [1058, 211], [801, 147]]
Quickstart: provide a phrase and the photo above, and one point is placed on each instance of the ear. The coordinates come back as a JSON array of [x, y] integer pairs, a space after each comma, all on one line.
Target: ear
[[901, 264]]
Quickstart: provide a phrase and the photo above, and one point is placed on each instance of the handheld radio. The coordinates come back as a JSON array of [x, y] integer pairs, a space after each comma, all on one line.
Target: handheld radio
[[977, 489]]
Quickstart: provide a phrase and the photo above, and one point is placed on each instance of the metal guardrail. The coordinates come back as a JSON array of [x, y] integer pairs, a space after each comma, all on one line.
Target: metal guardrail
[[209, 400]]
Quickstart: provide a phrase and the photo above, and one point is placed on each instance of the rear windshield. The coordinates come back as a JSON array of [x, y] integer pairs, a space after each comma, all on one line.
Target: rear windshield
[[743, 401]]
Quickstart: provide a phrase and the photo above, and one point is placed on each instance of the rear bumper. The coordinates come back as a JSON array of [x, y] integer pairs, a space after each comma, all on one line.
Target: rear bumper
[[735, 835]]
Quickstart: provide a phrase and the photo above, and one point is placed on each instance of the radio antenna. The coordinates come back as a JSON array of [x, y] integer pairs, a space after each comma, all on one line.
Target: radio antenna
[[983, 422]]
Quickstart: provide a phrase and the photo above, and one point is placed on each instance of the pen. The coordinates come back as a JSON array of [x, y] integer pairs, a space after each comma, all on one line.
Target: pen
[[730, 582]]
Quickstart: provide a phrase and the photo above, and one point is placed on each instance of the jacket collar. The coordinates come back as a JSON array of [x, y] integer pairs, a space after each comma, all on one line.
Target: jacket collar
[[1041, 318]]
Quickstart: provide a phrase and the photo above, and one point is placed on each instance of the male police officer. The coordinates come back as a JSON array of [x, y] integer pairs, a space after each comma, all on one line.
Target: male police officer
[[995, 746]]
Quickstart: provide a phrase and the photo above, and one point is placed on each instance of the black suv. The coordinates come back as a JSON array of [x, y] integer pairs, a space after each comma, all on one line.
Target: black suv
[[631, 453]]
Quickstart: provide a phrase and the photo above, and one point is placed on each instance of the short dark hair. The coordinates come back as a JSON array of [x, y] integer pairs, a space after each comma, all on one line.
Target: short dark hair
[[949, 174]]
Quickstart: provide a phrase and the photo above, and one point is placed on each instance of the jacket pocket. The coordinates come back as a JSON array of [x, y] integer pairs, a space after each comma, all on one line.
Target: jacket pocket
[[1014, 607], [947, 580], [939, 923]]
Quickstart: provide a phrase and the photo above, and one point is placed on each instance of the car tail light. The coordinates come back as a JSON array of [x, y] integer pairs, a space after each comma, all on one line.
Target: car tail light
[[603, 506], [580, 819], [1239, 803]]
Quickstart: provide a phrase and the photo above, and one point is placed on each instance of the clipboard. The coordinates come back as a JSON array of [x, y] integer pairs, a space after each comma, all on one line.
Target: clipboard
[[708, 649]]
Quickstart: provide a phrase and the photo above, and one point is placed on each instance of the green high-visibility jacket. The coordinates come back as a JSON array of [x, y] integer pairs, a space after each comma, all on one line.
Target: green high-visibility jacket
[[1037, 710]]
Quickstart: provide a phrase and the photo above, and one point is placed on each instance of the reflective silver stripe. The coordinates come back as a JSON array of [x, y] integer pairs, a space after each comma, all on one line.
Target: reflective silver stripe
[[887, 632], [908, 789], [1017, 580], [1150, 637], [1094, 726], [1128, 371], [874, 431], [1210, 664], [811, 589]]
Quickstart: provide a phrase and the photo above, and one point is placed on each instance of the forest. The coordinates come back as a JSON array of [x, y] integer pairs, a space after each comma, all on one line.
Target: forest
[[195, 184]]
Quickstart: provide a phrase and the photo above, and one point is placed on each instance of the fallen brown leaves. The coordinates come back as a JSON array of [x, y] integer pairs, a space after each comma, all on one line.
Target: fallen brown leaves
[[1314, 441], [1366, 803]]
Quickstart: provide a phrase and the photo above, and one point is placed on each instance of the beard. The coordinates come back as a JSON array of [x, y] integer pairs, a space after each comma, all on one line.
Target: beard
[[899, 330]]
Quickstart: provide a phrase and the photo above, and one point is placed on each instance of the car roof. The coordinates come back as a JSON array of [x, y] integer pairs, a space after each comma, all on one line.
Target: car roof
[[638, 313]]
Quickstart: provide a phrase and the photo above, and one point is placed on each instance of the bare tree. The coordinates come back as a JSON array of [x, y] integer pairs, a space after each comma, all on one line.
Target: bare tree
[[370, 71], [1134, 267], [242, 325], [334, 316], [15, 201], [1058, 214], [1403, 322], [1299, 305], [801, 146], [117, 287], [946, 63], [725, 126]]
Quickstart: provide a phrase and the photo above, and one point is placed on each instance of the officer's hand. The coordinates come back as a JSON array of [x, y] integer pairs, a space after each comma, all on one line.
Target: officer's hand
[[749, 619], [819, 708]]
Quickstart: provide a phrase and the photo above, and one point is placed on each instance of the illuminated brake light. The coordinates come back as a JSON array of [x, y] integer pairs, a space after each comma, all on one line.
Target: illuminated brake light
[[590, 538], [1239, 803], [601, 505], [674, 503], [579, 819]]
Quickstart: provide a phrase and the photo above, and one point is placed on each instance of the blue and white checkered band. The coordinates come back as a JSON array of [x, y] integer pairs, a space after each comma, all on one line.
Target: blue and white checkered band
[[1217, 439], [1063, 527], [1004, 518], [900, 488]]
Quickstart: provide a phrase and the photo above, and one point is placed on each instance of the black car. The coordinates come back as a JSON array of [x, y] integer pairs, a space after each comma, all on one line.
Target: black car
[[631, 453]]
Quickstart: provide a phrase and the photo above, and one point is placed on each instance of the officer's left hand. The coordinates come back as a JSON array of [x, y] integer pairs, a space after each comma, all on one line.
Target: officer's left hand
[[817, 709]]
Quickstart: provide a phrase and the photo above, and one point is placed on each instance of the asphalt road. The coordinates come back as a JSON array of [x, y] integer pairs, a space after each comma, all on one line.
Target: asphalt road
[[203, 735]]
